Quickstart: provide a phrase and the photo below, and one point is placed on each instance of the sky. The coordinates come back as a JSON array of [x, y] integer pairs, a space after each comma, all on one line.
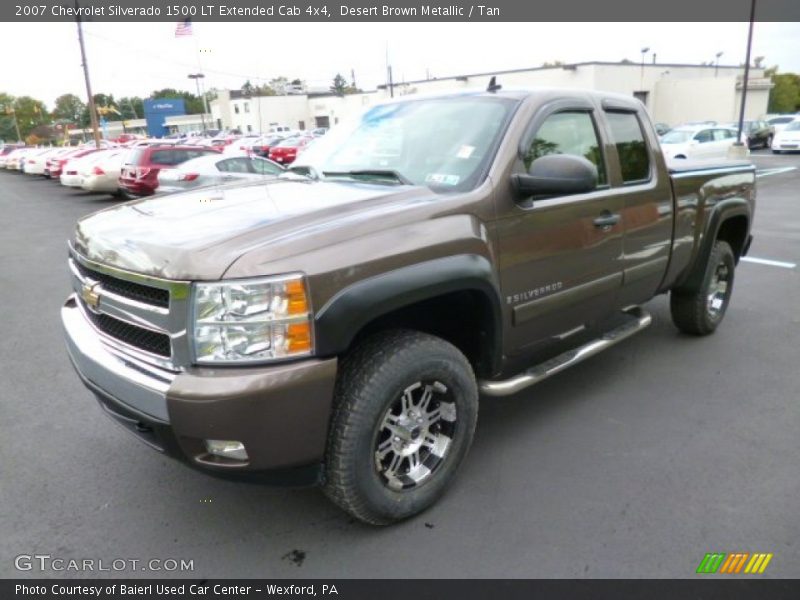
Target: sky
[[133, 59]]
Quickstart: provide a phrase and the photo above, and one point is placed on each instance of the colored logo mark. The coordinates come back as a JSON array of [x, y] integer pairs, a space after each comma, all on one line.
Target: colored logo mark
[[736, 562]]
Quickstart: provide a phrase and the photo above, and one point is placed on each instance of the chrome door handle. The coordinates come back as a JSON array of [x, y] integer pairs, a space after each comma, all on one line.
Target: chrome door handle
[[607, 220]]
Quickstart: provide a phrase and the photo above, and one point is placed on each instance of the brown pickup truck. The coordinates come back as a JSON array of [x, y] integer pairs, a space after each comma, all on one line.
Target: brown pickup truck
[[337, 325]]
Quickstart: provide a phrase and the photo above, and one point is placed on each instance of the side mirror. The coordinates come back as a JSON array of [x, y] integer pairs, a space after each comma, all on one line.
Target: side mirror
[[557, 175]]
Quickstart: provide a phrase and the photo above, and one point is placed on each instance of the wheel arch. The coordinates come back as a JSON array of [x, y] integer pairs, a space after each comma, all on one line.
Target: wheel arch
[[455, 297]]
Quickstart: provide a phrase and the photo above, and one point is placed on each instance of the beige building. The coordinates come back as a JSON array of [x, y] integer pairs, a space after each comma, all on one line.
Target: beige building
[[673, 94]]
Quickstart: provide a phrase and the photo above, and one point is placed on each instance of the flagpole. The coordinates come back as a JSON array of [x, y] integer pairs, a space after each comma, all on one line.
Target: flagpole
[[203, 91]]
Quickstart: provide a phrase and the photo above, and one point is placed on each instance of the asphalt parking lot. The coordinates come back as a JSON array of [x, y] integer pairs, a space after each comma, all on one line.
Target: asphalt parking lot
[[633, 464]]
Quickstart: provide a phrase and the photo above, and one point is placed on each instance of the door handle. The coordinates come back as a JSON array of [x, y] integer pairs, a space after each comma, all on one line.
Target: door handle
[[607, 220]]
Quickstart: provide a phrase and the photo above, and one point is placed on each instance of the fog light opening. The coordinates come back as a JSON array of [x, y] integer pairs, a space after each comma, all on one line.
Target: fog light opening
[[227, 449]]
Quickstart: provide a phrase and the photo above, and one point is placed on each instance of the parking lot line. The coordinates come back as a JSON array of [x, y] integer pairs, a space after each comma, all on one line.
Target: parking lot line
[[771, 263], [775, 171]]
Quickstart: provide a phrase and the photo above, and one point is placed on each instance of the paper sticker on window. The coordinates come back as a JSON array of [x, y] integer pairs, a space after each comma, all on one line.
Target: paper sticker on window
[[443, 179], [465, 151]]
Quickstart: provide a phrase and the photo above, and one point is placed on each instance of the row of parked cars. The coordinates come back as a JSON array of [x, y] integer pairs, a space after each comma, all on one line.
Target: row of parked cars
[[140, 167], [712, 140]]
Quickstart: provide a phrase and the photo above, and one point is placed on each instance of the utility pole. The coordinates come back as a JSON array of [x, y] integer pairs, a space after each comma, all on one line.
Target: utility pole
[[85, 65], [10, 110], [716, 64], [391, 84]]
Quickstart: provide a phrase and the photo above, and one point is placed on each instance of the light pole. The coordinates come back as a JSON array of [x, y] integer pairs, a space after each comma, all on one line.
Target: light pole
[[197, 77], [644, 51], [739, 149], [716, 64]]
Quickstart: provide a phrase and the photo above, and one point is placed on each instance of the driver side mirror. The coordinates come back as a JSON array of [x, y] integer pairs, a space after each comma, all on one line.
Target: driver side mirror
[[557, 175]]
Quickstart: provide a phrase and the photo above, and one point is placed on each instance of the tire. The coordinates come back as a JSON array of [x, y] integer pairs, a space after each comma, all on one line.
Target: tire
[[381, 382], [768, 143], [701, 312], [776, 151]]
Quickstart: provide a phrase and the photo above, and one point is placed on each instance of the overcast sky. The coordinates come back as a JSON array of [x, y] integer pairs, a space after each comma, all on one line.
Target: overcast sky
[[137, 58]]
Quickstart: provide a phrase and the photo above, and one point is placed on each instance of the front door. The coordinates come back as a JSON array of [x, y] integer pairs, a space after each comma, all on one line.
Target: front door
[[560, 257]]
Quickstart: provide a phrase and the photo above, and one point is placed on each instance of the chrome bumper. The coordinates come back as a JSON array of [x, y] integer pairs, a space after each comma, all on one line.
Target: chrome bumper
[[136, 384]]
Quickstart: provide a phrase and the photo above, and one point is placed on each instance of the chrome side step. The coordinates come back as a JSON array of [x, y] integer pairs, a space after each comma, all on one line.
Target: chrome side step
[[640, 320]]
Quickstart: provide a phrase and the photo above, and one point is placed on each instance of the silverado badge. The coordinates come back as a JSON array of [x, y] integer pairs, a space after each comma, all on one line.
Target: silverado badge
[[90, 293]]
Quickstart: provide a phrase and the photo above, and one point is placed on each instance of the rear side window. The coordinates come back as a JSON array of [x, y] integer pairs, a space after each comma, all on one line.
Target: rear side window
[[265, 167], [234, 165], [720, 135], [704, 136], [634, 159], [568, 133], [173, 156]]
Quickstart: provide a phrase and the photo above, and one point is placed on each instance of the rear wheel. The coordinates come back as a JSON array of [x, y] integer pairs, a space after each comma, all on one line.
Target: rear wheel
[[406, 409], [700, 312]]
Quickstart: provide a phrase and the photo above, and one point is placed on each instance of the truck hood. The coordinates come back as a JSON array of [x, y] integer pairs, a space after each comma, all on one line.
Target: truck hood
[[198, 234]]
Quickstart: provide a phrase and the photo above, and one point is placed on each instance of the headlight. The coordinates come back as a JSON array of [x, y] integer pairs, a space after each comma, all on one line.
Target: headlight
[[251, 320]]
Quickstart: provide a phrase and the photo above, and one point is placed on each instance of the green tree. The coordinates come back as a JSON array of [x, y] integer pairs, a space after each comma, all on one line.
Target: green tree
[[68, 107], [30, 113], [784, 97], [7, 129], [131, 107], [339, 86], [194, 103], [248, 89]]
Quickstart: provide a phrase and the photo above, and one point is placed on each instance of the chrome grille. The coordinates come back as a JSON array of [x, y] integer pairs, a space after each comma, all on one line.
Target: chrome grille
[[128, 289], [139, 337], [141, 315]]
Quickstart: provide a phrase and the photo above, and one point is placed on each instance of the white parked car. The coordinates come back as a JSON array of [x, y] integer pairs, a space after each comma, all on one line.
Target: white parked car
[[14, 160], [780, 122], [36, 162], [787, 139], [698, 142], [102, 175], [216, 169], [71, 171]]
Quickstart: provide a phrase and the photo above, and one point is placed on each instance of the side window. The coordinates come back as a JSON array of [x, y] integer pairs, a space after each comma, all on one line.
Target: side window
[[265, 167], [720, 135], [568, 133], [235, 165], [626, 133], [704, 136]]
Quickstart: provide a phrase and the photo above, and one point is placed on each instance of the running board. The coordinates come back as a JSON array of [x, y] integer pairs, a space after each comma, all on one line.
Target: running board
[[640, 320]]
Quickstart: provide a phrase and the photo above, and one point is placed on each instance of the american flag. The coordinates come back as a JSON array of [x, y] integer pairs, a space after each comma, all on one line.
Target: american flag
[[183, 28]]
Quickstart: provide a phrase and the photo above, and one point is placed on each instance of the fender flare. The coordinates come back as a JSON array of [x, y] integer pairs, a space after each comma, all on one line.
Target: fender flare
[[731, 207], [338, 322]]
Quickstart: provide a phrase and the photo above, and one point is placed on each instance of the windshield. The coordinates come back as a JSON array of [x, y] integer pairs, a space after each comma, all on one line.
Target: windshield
[[442, 143], [677, 136], [793, 126], [780, 120]]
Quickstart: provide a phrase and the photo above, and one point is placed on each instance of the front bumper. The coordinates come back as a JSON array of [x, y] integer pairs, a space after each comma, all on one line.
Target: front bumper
[[280, 413]]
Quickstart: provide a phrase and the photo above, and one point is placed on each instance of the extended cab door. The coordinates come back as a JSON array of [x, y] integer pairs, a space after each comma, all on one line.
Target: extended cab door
[[560, 257], [638, 176]]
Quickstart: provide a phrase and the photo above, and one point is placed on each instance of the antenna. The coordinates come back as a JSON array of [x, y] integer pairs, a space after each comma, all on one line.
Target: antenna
[[493, 85]]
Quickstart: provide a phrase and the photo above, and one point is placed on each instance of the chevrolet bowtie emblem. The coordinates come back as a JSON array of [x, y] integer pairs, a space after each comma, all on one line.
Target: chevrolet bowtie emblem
[[90, 292]]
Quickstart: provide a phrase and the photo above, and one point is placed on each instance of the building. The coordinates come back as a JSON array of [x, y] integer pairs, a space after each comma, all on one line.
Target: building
[[673, 93]]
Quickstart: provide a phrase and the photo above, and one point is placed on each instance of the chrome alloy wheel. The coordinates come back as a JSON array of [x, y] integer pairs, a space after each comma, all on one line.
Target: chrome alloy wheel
[[717, 291], [415, 435]]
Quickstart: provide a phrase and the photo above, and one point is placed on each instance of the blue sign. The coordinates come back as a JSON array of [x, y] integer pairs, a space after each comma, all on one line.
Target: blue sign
[[156, 110]]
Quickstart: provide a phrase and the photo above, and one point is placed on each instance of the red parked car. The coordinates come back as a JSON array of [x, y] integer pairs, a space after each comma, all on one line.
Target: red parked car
[[139, 174], [286, 151]]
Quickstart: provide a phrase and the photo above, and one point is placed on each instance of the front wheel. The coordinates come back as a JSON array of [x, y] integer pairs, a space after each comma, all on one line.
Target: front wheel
[[700, 312], [405, 412]]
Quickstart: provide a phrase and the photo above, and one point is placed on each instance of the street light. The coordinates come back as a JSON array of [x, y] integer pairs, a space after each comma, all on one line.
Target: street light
[[644, 51], [716, 64], [197, 77]]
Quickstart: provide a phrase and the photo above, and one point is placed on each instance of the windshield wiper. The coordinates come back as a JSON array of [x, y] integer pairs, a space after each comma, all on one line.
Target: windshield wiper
[[381, 173]]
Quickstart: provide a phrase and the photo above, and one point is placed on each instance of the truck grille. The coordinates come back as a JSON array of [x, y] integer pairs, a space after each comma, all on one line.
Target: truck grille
[[138, 337], [128, 289]]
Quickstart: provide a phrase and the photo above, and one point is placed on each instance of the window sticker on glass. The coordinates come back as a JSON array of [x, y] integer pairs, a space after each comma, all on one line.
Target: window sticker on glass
[[465, 151], [442, 179]]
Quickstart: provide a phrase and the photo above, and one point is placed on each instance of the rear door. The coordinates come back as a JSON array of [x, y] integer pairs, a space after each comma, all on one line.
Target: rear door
[[638, 176], [235, 169], [560, 257], [703, 146]]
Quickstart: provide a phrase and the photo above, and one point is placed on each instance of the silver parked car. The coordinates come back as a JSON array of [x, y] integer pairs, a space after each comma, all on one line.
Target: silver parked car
[[216, 169]]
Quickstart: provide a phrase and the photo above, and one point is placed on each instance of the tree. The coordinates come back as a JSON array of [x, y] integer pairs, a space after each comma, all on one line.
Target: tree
[[279, 85], [248, 88], [784, 97], [7, 129], [194, 103], [30, 113], [131, 107], [68, 107], [339, 86]]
